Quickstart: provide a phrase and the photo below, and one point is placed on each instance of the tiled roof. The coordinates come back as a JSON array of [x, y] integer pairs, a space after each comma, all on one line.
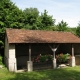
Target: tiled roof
[[40, 36]]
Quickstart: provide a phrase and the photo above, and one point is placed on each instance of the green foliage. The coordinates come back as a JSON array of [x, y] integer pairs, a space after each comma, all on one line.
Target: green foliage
[[62, 26], [10, 17], [46, 20], [62, 57], [78, 30], [36, 21], [43, 58], [1, 44], [31, 16], [0, 60], [72, 30]]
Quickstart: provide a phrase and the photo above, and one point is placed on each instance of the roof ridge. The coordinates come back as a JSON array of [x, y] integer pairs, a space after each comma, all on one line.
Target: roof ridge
[[39, 30]]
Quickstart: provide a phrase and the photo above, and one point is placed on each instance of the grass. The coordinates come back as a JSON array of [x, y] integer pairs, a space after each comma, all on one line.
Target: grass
[[70, 73]]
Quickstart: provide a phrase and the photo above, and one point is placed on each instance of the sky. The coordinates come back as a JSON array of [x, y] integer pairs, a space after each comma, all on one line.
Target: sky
[[67, 10]]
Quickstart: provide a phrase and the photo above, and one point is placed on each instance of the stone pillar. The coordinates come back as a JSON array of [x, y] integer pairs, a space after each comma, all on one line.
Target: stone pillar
[[12, 63], [30, 65], [54, 63], [72, 61]]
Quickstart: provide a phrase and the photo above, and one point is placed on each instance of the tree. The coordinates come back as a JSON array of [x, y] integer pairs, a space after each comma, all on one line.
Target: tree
[[31, 17], [46, 20], [35, 21], [72, 30], [10, 17], [78, 30], [62, 26]]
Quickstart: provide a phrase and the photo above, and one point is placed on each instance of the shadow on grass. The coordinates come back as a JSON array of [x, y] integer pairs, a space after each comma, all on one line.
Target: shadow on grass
[[52, 74]]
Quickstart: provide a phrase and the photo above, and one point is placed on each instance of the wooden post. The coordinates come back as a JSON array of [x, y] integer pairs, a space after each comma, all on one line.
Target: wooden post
[[54, 50], [54, 54], [29, 52]]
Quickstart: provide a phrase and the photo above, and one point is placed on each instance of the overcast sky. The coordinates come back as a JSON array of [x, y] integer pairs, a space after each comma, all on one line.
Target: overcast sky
[[67, 10]]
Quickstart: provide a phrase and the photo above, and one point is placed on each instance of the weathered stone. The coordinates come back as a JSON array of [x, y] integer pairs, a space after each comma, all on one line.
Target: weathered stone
[[72, 61], [1, 66], [29, 65], [62, 65], [54, 63]]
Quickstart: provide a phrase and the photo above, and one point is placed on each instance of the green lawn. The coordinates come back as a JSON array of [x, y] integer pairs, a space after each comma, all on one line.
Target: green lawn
[[70, 73]]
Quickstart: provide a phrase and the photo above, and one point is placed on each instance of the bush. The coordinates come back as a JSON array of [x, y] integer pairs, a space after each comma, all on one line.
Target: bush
[[43, 58], [0, 60], [63, 57]]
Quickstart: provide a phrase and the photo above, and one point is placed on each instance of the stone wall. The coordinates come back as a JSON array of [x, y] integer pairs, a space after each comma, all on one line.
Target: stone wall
[[12, 58], [9, 56]]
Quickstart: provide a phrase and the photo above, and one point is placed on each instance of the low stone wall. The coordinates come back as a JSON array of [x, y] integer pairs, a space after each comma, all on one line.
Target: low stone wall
[[42, 65]]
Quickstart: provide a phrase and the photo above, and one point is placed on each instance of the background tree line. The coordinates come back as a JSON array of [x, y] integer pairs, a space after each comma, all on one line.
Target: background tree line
[[30, 18]]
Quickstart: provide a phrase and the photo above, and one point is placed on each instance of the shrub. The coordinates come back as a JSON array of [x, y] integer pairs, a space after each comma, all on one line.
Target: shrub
[[43, 58], [0, 60], [62, 57]]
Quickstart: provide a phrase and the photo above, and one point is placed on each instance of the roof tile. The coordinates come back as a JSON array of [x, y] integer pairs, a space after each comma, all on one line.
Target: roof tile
[[40, 36]]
